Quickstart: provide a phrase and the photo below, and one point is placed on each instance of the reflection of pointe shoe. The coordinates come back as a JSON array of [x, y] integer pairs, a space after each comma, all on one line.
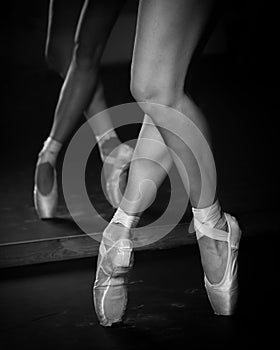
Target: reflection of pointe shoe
[[223, 295], [46, 203], [115, 259], [116, 182]]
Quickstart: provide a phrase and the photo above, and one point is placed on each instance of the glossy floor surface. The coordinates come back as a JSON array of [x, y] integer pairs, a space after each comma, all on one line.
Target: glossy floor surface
[[50, 305]]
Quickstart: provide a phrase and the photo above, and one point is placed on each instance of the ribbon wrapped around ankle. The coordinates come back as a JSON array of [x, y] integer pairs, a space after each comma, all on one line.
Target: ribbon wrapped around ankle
[[126, 220], [50, 151], [107, 135], [101, 139], [208, 216]]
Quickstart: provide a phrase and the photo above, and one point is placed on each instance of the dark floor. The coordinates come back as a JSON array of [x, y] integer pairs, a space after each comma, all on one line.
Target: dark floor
[[50, 306]]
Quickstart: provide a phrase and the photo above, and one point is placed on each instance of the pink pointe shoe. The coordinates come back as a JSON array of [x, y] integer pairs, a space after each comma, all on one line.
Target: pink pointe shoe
[[223, 295], [115, 259]]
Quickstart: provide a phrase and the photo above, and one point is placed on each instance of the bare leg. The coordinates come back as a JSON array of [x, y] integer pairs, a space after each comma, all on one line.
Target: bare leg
[[62, 25], [167, 35], [91, 36], [94, 25], [115, 252], [74, 46], [147, 171]]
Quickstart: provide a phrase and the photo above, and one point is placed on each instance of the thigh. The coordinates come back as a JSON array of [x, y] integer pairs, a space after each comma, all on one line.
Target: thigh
[[167, 35]]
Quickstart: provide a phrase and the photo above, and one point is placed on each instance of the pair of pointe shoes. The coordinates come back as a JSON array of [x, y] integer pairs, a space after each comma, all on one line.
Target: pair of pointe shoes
[[46, 204], [116, 259]]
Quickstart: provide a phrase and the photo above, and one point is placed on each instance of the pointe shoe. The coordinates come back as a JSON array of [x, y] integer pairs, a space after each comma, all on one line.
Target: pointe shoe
[[223, 295], [46, 204], [116, 182], [115, 259]]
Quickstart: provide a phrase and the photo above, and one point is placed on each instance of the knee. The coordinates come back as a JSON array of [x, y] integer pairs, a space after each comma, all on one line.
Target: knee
[[154, 91]]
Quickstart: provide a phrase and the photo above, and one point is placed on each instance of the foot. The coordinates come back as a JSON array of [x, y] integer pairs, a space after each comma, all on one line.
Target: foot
[[45, 188], [213, 255], [116, 158], [109, 147], [44, 178], [115, 259], [219, 251]]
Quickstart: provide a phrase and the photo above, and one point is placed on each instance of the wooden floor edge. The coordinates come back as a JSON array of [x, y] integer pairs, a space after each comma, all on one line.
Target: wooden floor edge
[[81, 246]]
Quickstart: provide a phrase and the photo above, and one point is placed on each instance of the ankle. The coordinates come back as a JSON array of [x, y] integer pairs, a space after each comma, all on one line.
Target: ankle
[[127, 220], [107, 142], [50, 151], [109, 146], [52, 145], [212, 216], [222, 223]]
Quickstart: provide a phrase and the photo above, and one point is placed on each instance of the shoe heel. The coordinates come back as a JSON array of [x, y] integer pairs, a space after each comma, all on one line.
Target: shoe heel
[[46, 205]]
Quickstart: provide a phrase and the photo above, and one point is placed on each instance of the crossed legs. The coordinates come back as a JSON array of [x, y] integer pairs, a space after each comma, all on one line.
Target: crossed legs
[[167, 35]]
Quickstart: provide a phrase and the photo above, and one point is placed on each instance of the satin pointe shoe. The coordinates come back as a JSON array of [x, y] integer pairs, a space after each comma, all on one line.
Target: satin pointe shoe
[[223, 295], [116, 181], [46, 204], [115, 259]]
